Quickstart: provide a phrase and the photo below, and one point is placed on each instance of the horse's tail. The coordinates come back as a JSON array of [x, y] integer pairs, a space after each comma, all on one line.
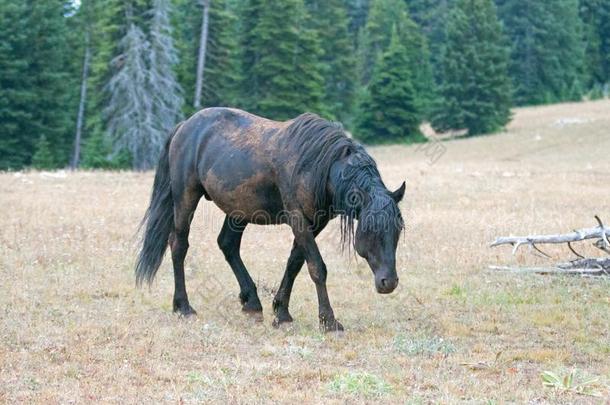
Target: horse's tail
[[159, 220]]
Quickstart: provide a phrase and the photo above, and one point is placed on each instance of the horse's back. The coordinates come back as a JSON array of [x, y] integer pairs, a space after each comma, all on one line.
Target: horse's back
[[230, 153]]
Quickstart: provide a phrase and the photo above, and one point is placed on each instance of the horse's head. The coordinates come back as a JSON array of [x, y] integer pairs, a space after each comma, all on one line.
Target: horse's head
[[360, 194], [377, 234]]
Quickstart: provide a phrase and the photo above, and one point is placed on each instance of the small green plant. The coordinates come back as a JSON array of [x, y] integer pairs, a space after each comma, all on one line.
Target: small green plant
[[422, 344], [194, 377], [457, 291], [301, 351], [569, 382], [359, 383]]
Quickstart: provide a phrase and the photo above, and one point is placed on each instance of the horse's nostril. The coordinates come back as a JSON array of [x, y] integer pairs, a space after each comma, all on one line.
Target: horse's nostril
[[384, 282]]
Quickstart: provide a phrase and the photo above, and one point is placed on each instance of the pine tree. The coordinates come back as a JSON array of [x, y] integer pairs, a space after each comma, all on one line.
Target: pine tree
[[476, 88], [383, 15], [43, 157], [222, 66], [596, 17], [37, 89], [16, 89], [547, 52], [131, 124], [389, 110], [221, 74], [329, 19], [54, 105], [97, 154], [162, 83], [249, 55], [145, 99], [357, 11], [110, 25], [431, 16], [282, 72], [82, 27]]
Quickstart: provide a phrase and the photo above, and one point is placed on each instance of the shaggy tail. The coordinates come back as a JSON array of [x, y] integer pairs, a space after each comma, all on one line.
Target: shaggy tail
[[159, 220]]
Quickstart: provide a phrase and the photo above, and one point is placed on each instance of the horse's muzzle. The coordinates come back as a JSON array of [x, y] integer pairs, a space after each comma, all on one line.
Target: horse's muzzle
[[386, 285]]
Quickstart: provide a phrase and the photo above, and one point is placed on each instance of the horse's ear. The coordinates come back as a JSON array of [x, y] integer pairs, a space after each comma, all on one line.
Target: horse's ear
[[399, 193]]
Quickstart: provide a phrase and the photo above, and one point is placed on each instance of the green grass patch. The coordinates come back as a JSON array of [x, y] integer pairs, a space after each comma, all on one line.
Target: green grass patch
[[507, 298], [360, 384], [460, 293], [457, 291], [422, 344]]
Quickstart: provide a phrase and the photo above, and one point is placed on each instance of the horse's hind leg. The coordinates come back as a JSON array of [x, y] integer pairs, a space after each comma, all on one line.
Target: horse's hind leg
[[229, 242], [185, 203]]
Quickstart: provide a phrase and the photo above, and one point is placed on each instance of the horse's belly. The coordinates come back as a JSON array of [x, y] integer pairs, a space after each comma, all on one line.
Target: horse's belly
[[255, 200]]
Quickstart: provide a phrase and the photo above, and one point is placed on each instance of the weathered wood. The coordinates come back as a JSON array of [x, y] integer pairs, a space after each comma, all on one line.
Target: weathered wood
[[579, 235], [580, 266], [554, 270]]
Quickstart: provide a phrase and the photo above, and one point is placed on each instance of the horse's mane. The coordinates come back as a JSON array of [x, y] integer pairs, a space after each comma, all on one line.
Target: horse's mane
[[360, 194], [318, 144]]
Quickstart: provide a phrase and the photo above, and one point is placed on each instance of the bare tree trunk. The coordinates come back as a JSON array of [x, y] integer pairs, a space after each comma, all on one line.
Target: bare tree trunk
[[202, 51], [81, 105]]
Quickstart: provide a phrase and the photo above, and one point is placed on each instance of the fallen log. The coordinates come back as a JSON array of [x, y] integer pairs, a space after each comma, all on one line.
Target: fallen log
[[553, 270], [600, 232], [580, 266]]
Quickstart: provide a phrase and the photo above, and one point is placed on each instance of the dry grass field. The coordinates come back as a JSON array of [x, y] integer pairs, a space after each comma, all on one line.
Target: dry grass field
[[73, 327]]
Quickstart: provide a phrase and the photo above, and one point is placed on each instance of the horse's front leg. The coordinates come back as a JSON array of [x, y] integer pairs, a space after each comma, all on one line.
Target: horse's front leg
[[305, 238], [282, 297], [293, 267]]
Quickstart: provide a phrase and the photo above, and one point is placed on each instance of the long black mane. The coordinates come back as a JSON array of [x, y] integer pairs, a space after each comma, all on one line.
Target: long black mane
[[320, 143]]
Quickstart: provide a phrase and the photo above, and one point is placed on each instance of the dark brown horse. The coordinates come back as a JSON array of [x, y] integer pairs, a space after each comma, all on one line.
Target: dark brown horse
[[302, 172]]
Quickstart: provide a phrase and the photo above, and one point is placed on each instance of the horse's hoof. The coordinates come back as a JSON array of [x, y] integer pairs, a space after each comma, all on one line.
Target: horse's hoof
[[252, 307], [331, 325], [281, 319], [185, 311]]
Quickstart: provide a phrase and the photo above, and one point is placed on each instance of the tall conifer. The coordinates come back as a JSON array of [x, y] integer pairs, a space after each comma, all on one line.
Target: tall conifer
[[547, 49], [389, 109], [282, 69], [475, 86], [329, 19]]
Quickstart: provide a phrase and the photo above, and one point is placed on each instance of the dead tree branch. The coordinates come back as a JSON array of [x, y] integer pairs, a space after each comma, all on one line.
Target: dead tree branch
[[580, 266], [576, 236]]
